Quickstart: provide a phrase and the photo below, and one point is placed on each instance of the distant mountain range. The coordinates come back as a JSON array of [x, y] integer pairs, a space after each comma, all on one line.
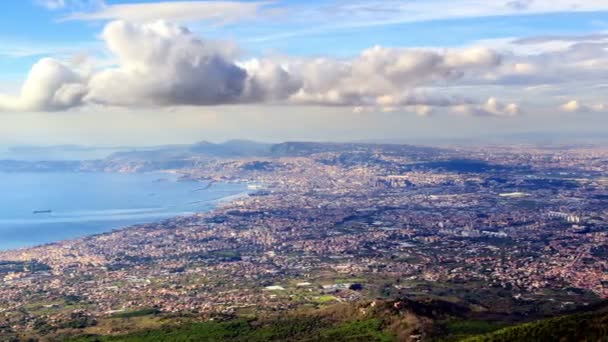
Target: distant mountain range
[[247, 148], [229, 149], [129, 159], [57, 153]]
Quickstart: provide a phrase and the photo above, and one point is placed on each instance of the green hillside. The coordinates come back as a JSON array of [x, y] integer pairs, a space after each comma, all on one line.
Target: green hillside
[[241, 330], [340, 322], [591, 326], [381, 321]]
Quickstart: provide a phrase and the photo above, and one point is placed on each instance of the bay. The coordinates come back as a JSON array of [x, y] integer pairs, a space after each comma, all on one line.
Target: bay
[[82, 204]]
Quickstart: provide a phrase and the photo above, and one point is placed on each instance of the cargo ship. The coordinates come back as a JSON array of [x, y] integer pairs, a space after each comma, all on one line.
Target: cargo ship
[[42, 211]]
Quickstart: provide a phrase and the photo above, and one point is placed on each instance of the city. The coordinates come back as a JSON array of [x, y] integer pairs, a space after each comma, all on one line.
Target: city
[[513, 231], [303, 171]]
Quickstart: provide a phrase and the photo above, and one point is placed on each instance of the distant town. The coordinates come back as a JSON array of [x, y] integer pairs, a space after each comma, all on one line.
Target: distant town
[[509, 230]]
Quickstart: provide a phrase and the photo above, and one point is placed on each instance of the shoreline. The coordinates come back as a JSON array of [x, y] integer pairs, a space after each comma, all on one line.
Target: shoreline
[[206, 206]]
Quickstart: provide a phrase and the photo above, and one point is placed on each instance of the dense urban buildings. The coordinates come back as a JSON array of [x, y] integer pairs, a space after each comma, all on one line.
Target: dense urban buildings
[[516, 231]]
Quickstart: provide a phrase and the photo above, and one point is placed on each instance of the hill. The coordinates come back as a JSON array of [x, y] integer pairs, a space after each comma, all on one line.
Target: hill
[[377, 320], [585, 326], [228, 149], [402, 320]]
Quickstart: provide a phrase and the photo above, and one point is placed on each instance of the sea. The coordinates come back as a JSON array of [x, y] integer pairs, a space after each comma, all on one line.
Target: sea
[[39, 208]]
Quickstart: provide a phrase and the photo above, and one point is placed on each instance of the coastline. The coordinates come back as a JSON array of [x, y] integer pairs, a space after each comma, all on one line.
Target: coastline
[[103, 219], [229, 199]]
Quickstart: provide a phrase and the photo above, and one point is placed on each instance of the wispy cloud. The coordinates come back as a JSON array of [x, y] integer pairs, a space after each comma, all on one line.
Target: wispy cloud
[[73, 5], [19, 49], [218, 12], [51, 4], [324, 16], [394, 11], [344, 15]]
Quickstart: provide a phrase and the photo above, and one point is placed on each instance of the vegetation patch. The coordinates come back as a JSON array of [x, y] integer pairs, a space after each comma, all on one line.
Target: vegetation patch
[[137, 313]]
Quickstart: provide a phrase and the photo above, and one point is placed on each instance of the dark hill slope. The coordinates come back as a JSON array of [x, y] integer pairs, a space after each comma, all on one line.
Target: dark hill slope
[[587, 326]]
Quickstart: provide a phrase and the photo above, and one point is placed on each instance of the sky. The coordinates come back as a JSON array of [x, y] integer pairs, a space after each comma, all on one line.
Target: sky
[[95, 72]]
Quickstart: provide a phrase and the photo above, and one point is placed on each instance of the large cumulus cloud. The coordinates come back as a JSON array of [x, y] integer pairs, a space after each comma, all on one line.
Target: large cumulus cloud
[[388, 77], [49, 86], [161, 64]]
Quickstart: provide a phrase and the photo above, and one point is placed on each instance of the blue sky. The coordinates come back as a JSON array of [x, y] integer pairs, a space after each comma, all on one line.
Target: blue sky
[[28, 30], [281, 55], [29, 24]]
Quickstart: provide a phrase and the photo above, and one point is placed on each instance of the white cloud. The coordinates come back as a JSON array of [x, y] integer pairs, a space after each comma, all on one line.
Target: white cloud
[[268, 81], [88, 5], [573, 106], [387, 77], [564, 66], [49, 86], [492, 107], [423, 110], [51, 4], [161, 64], [577, 106], [176, 11]]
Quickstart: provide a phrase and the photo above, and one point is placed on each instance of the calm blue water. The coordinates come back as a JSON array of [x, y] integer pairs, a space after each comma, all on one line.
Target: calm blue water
[[90, 203]]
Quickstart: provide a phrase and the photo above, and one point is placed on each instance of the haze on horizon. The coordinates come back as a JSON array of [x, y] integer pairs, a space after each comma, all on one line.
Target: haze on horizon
[[110, 73]]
